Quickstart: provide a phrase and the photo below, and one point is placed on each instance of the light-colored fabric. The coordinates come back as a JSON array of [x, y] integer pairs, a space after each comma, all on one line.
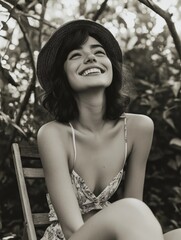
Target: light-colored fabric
[[87, 200]]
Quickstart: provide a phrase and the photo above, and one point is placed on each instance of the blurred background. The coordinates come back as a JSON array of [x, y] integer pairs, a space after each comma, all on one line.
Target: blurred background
[[149, 33]]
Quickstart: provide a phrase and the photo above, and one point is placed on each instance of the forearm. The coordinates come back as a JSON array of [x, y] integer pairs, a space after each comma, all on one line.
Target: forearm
[[134, 182], [69, 230]]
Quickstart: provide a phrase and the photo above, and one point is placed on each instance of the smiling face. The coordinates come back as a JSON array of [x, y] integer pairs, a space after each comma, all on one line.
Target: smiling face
[[88, 66]]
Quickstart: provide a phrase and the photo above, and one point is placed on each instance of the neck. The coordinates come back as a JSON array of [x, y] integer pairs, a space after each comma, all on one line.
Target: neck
[[91, 110]]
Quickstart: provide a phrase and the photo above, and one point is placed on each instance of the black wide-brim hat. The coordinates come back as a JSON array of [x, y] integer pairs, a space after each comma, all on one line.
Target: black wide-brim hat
[[47, 55]]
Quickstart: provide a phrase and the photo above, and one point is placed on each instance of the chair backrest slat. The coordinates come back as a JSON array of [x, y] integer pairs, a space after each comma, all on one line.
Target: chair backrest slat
[[33, 172], [40, 219], [30, 151], [28, 154]]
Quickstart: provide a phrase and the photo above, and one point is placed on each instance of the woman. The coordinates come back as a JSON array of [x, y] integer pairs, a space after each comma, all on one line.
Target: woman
[[85, 149]]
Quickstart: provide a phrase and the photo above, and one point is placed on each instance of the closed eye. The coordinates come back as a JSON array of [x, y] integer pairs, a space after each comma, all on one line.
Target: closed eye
[[74, 55], [100, 52]]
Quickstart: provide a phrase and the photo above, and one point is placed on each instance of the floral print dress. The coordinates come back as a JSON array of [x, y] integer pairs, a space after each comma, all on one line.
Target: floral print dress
[[87, 202]]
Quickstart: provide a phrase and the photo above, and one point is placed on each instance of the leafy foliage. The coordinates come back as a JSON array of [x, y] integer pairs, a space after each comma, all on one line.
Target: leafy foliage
[[149, 53]]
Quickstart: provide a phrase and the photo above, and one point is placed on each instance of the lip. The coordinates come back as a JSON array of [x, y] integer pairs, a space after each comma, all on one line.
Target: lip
[[90, 67]]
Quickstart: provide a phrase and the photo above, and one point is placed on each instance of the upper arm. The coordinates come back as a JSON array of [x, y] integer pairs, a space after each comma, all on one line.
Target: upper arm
[[54, 156], [140, 130]]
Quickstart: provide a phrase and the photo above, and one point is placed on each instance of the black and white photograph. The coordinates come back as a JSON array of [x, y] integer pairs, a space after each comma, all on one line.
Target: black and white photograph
[[90, 120]]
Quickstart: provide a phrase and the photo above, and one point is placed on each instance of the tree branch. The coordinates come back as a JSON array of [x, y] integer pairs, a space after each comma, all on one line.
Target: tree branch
[[44, 2], [33, 80], [100, 11], [17, 17], [19, 12], [31, 86], [167, 17], [38, 19]]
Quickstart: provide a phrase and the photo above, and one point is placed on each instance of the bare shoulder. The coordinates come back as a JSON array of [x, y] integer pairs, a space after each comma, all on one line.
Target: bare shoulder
[[140, 127], [52, 134], [52, 128], [139, 122]]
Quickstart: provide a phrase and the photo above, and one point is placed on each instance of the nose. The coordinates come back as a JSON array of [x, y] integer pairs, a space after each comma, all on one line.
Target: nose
[[90, 58]]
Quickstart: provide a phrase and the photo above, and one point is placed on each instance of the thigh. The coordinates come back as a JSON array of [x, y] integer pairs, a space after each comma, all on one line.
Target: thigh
[[121, 220]]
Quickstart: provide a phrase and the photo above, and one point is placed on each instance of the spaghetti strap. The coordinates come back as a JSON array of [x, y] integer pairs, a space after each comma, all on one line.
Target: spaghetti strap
[[125, 139], [74, 145]]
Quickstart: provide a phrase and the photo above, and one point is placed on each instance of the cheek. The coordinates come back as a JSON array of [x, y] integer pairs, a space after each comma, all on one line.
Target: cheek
[[72, 77], [108, 63], [71, 80], [110, 69], [110, 75], [69, 70]]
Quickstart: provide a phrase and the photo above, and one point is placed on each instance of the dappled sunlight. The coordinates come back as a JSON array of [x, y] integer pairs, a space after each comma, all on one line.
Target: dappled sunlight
[[165, 5], [149, 54]]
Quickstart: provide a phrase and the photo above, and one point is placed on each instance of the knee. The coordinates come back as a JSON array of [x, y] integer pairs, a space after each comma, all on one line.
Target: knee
[[133, 206], [135, 212], [127, 218]]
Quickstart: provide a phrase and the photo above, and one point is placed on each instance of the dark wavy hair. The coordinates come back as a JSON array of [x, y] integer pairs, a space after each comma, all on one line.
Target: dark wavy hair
[[59, 99]]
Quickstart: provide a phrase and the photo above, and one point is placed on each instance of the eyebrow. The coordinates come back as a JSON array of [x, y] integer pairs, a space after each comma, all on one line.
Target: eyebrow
[[91, 46], [96, 46]]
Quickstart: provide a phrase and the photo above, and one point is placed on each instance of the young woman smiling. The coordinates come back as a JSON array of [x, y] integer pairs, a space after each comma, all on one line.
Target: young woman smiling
[[85, 149]]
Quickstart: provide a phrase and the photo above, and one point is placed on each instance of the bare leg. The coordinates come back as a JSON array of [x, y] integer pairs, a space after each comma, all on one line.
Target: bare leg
[[127, 219], [173, 235]]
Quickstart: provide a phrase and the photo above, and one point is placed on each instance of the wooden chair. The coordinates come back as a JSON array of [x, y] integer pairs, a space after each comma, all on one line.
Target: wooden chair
[[26, 154]]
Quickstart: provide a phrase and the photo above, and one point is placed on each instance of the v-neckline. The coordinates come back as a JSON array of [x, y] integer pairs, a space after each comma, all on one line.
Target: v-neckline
[[104, 189]]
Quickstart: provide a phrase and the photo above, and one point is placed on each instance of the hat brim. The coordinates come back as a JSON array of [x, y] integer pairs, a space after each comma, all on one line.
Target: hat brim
[[48, 53]]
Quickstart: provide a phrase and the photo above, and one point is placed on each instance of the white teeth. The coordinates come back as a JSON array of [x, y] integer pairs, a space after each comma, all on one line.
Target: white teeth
[[91, 70]]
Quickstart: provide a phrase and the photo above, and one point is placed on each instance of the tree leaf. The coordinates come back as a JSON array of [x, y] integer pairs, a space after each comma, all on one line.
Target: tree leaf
[[176, 142], [4, 118], [176, 88], [167, 118], [18, 128]]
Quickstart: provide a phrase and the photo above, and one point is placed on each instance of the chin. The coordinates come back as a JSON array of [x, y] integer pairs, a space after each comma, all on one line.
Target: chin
[[88, 84], [100, 85]]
